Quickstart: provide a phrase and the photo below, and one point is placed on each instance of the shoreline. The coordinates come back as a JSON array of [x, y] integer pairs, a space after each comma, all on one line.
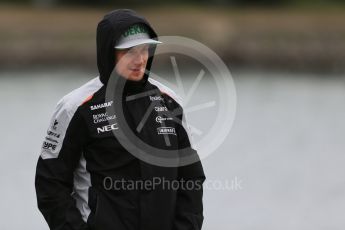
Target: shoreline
[[290, 39]]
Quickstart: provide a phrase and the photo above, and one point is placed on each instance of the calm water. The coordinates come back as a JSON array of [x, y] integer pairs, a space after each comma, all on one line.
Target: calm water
[[285, 151]]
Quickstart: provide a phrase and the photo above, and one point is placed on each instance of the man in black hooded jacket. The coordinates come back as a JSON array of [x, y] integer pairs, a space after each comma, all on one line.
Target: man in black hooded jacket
[[81, 155]]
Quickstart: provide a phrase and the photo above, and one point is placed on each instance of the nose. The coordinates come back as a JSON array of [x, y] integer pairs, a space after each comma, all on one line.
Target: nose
[[139, 59]]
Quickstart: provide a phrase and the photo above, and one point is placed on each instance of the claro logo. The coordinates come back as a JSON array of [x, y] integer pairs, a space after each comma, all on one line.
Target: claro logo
[[107, 128]]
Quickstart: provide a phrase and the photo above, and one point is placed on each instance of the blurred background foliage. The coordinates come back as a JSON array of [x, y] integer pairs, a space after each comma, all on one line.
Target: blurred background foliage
[[303, 35]]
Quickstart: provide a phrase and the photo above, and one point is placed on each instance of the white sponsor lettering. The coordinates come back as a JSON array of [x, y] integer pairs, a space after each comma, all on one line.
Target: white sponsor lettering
[[156, 98], [160, 119], [166, 130], [107, 128], [161, 109], [98, 118], [103, 105]]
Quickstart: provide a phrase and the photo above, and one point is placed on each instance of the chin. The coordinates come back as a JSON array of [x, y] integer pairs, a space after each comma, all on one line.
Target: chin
[[135, 77]]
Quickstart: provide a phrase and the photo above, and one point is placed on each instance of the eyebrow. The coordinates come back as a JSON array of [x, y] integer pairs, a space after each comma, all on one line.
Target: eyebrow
[[141, 48]]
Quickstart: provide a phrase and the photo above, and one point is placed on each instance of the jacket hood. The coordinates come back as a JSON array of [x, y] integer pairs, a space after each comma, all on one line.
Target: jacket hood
[[109, 31]]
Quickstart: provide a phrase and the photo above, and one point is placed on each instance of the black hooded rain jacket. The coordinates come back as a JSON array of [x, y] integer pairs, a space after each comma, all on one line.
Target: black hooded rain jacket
[[81, 159]]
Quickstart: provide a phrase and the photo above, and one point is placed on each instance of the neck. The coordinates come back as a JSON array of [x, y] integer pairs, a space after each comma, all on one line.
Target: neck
[[133, 87]]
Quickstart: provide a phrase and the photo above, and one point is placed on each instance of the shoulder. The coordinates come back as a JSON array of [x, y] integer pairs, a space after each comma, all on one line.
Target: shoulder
[[71, 101], [62, 117], [68, 105]]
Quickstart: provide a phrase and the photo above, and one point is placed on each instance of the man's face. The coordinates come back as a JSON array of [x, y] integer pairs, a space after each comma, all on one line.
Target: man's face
[[131, 63]]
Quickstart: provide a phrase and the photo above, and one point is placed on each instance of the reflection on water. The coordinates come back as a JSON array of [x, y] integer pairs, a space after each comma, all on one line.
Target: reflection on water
[[286, 146]]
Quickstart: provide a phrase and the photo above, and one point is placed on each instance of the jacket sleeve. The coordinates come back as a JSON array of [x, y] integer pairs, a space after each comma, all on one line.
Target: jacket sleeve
[[61, 151], [189, 206]]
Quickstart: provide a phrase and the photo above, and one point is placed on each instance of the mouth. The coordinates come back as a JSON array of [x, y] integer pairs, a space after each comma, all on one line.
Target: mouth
[[136, 70]]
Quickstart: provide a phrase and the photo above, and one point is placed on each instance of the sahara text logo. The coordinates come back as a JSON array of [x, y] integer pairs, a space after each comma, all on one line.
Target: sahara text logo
[[103, 105]]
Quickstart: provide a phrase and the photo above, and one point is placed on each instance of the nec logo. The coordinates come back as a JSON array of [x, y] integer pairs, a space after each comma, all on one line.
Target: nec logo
[[107, 128]]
